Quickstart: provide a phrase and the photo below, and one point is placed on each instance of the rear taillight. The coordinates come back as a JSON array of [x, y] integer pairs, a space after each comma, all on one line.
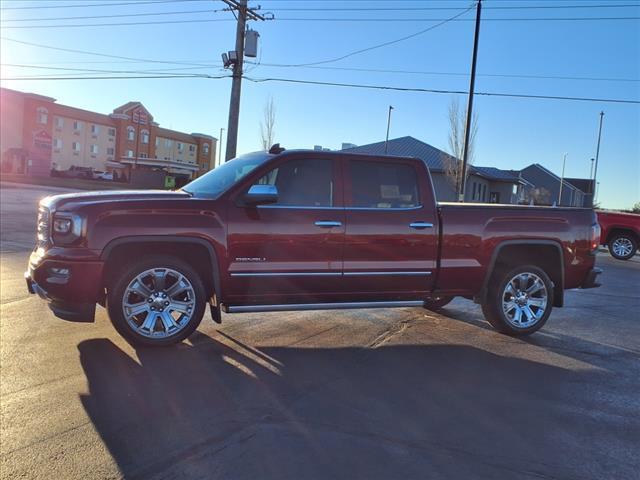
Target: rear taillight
[[594, 241]]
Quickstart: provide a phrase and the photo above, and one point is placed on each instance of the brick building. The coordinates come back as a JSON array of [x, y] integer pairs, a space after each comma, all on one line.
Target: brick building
[[38, 135]]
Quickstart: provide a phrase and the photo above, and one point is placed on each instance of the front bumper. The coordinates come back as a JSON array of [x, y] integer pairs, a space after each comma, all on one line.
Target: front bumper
[[71, 288], [590, 280]]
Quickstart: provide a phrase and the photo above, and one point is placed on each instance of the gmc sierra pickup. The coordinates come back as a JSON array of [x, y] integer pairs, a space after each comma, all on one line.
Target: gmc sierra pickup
[[620, 231], [303, 230]]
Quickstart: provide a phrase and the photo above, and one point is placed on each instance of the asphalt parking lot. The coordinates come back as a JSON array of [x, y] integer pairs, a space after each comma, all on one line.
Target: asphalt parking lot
[[386, 394]]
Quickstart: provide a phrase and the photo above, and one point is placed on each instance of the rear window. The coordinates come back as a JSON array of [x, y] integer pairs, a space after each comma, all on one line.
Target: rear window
[[383, 185]]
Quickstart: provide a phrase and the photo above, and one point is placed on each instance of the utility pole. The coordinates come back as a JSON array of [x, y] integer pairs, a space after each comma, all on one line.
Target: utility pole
[[243, 13], [386, 142], [219, 162], [472, 82], [564, 162], [595, 169]]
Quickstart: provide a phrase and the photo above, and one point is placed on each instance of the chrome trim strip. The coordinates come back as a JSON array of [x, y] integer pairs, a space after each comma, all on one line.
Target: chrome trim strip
[[323, 274], [320, 306], [347, 274], [286, 274], [421, 225], [374, 209], [327, 223]]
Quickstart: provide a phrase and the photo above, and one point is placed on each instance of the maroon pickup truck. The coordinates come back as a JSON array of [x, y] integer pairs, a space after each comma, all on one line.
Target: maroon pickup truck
[[303, 230]]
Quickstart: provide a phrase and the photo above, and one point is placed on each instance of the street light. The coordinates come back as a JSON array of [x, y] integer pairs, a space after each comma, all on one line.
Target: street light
[[386, 142], [219, 148]]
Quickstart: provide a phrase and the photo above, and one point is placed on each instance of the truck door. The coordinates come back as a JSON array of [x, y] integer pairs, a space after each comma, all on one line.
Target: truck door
[[290, 251], [391, 229]]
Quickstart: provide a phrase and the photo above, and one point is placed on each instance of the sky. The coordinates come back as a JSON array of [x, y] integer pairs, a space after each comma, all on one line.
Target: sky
[[596, 59]]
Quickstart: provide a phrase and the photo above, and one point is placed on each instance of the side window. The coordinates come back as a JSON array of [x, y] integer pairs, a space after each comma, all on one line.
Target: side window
[[303, 183], [383, 185]]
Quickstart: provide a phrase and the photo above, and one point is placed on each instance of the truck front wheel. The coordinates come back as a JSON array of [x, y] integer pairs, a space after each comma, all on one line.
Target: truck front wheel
[[157, 301], [519, 301]]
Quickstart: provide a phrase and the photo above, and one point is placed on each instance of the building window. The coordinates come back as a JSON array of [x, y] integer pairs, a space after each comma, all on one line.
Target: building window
[[42, 115], [94, 149], [145, 136], [95, 129], [144, 155], [76, 146], [57, 143], [112, 132], [180, 147], [110, 151], [77, 126], [131, 134], [129, 153], [192, 149], [59, 122], [167, 143], [157, 142], [475, 187], [205, 149]]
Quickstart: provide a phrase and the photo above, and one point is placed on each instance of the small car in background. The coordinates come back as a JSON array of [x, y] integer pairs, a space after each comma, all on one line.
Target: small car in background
[[75, 171], [105, 176], [620, 232]]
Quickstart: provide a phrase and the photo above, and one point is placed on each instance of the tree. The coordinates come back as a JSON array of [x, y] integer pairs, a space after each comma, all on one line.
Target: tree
[[636, 208], [457, 120], [267, 126]]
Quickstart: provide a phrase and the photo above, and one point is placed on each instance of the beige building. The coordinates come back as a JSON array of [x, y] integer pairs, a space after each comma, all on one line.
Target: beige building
[[83, 139]]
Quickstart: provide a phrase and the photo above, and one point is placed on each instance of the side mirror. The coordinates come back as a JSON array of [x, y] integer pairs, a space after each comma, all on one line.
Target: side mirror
[[261, 195]]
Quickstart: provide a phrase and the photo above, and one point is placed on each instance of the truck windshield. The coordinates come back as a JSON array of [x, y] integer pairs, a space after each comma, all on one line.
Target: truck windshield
[[217, 181]]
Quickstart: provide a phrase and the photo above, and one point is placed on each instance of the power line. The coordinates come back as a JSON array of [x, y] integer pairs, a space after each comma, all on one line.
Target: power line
[[121, 15], [431, 90], [86, 5], [197, 65], [85, 52], [336, 84], [460, 74], [414, 9], [91, 70], [339, 20], [384, 44]]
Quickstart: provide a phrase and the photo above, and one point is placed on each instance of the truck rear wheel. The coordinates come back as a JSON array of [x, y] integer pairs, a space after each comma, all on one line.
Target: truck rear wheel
[[519, 301], [157, 301], [622, 246]]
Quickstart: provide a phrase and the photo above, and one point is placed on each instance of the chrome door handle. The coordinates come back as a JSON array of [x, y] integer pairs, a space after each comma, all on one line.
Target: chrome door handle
[[421, 225], [327, 224]]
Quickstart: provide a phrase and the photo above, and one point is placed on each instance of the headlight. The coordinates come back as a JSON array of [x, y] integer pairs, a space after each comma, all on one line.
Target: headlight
[[62, 225], [67, 228]]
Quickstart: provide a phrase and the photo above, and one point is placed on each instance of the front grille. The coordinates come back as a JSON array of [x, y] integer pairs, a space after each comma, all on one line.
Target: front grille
[[43, 228]]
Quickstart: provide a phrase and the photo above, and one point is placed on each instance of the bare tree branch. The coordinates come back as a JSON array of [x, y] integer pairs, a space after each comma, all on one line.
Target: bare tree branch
[[453, 164], [267, 126]]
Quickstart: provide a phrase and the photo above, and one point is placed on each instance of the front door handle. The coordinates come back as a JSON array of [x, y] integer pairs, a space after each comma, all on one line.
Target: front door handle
[[327, 223], [421, 225]]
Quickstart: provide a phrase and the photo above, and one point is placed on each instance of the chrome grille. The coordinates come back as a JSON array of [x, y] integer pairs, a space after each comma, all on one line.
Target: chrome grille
[[43, 228]]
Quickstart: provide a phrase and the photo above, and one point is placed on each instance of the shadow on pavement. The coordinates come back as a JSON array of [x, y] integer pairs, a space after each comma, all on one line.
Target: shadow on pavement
[[222, 409]]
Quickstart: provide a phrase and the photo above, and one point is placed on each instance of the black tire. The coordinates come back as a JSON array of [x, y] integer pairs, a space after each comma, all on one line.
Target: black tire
[[116, 292], [622, 241], [493, 307], [436, 303]]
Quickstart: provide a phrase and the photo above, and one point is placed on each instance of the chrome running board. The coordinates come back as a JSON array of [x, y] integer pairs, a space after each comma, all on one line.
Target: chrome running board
[[319, 306]]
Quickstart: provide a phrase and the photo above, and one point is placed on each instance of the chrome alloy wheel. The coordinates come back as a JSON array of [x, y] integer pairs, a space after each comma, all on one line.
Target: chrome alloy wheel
[[158, 303], [622, 247], [524, 300]]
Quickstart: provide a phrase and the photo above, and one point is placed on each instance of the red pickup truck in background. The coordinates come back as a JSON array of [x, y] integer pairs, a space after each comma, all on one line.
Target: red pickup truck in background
[[303, 230], [620, 232]]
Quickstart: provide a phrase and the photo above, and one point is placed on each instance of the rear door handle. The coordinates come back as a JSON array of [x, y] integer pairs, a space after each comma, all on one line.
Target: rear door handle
[[421, 225], [327, 223]]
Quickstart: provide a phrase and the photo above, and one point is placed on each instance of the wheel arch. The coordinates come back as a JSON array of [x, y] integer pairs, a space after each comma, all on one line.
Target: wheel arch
[[528, 251], [201, 257], [618, 229]]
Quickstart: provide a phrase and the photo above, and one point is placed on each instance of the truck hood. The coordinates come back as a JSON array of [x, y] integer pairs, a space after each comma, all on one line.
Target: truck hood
[[71, 200]]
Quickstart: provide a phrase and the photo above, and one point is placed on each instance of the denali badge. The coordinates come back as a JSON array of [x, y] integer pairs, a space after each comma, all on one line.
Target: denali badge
[[250, 259]]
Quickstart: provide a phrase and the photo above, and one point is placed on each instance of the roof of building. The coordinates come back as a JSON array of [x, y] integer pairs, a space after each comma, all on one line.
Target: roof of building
[[126, 107], [173, 135], [80, 114], [565, 182], [584, 184], [406, 147], [496, 174]]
